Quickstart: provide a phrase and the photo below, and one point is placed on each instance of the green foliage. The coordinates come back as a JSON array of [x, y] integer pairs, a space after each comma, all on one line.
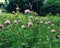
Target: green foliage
[[52, 6], [36, 36], [1, 5]]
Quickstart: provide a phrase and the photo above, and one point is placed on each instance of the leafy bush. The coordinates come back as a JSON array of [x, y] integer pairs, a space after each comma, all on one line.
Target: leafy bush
[[52, 6], [11, 7]]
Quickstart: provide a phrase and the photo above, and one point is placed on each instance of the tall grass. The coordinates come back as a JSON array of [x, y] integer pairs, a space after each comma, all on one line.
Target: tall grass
[[40, 35]]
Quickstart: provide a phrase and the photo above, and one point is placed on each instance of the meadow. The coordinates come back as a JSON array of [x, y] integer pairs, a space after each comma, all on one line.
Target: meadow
[[24, 31]]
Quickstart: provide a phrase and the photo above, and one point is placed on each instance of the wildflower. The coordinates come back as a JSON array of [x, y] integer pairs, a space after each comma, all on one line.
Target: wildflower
[[27, 11], [49, 22], [17, 8], [19, 21], [15, 21], [30, 24], [23, 26], [31, 17], [13, 12], [36, 19], [52, 25], [7, 22], [1, 26], [53, 30], [46, 22]]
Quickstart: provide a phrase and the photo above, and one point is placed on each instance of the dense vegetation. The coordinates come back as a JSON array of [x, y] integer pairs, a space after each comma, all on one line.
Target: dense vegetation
[[15, 32], [38, 26]]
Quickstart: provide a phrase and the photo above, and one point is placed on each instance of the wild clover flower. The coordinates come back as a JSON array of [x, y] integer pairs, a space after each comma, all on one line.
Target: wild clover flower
[[1, 26], [31, 17], [7, 22], [17, 8], [15, 21], [23, 26], [30, 24], [27, 11], [53, 30], [36, 19]]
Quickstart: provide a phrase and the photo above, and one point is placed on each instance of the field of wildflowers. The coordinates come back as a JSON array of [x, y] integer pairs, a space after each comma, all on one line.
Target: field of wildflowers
[[25, 31]]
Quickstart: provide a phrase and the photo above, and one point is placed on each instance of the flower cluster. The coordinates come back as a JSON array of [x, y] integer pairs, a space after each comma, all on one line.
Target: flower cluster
[[1, 26], [53, 30], [7, 22], [30, 23], [17, 8], [31, 17], [27, 11], [23, 26]]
